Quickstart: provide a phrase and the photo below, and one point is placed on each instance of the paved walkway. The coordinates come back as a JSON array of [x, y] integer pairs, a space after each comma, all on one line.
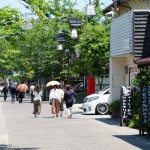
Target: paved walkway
[[19, 130]]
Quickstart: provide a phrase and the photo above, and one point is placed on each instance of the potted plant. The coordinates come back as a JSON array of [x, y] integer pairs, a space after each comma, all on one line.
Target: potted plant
[[115, 107]]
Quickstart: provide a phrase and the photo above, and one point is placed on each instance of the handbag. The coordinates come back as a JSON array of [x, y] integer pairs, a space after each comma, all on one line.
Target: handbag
[[50, 102], [73, 99]]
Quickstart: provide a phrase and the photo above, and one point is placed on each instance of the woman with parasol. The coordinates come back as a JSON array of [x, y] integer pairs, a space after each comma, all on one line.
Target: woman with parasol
[[55, 96]]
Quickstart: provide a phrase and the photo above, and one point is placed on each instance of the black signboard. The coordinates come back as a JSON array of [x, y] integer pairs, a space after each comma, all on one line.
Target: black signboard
[[145, 109], [126, 104], [75, 21], [60, 38], [145, 103]]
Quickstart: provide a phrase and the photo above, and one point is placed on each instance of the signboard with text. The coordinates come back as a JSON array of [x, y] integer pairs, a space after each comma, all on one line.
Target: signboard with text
[[126, 104], [145, 103]]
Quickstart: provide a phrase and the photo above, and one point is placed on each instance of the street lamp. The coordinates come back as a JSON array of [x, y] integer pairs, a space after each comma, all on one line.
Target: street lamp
[[68, 64], [60, 38], [74, 22]]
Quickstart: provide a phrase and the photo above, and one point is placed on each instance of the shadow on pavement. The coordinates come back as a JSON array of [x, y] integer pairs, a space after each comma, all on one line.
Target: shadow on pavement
[[109, 121], [9, 147], [135, 140], [77, 112]]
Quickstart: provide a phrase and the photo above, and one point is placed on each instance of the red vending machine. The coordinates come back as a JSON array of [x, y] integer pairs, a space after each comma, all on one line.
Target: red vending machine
[[90, 85]]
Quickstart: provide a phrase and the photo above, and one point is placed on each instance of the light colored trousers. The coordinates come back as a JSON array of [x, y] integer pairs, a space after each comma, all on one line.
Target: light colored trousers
[[69, 111]]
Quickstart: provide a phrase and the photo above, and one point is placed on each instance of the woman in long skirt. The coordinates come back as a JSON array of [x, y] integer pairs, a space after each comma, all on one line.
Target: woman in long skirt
[[37, 100], [55, 97]]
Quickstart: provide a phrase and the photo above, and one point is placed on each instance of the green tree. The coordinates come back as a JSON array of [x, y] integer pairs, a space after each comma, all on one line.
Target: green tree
[[10, 21], [53, 7]]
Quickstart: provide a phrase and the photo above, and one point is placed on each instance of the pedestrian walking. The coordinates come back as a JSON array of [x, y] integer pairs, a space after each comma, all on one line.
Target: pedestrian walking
[[13, 94], [17, 94], [37, 100], [62, 100], [55, 97], [31, 92], [5, 92], [20, 96], [69, 97]]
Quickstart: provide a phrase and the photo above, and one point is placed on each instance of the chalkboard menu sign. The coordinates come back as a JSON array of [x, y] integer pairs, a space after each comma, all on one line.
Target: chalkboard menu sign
[[145, 103], [126, 104]]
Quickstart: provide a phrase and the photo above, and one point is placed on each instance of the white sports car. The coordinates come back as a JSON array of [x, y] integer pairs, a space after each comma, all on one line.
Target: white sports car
[[97, 103]]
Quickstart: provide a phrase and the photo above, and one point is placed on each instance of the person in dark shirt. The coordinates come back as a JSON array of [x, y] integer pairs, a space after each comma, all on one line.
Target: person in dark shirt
[[13, 94], [69, 97], [5, 92], [20, 96]]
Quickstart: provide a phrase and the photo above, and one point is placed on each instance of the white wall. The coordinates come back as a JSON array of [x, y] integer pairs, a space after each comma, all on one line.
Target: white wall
[[118, 74]]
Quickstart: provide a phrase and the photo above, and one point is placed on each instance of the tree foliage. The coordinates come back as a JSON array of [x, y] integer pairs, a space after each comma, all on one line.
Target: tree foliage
[[53, 7], [34, 49], [10, 21]]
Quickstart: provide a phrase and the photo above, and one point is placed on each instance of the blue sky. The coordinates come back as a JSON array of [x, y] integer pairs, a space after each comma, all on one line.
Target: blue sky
[[15, 3]]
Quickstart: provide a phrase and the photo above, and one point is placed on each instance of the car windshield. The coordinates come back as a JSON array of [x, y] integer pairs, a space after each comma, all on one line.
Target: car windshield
[[103, 90]]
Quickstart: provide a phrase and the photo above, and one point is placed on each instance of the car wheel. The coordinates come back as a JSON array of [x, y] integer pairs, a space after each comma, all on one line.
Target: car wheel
[[102, 109]]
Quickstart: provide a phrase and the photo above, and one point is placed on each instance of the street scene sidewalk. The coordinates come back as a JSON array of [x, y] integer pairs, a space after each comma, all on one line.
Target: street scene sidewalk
[[19, 130]]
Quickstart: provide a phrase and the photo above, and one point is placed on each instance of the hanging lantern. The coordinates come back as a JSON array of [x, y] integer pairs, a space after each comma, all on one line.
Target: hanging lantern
[[90, 11], [59, 47], [74, 33]]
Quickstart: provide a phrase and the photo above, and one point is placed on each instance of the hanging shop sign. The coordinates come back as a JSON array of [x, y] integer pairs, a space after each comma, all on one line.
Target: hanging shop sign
[[75, 21], [60, 38]]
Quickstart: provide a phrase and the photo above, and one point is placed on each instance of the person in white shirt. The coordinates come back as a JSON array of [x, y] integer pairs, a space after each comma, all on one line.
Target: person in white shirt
[[37, 100], [55, 96], [62, 101]]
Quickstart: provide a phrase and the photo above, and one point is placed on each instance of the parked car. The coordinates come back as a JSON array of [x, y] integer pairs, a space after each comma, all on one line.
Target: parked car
[[97, 103], [79, 89]]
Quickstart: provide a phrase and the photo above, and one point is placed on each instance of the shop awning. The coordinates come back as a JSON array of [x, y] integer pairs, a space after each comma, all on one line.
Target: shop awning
[[143, 61]]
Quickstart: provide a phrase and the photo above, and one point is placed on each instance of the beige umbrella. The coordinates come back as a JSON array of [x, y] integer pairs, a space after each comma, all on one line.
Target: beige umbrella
[[51, 83], [32, 88]]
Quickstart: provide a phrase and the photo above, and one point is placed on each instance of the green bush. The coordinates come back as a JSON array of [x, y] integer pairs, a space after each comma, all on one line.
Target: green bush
[[115, 105], [135, 122]]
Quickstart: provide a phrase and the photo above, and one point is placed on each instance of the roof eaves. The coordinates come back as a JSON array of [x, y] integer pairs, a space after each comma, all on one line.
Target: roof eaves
[[108, 8]]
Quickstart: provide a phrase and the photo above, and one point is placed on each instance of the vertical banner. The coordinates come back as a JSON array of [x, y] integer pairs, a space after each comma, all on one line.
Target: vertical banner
[[145, 108], [90, 85], [145, 95], [126, 104]]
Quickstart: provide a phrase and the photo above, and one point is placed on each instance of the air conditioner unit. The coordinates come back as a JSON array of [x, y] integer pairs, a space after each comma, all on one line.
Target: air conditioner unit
[[110, 14]]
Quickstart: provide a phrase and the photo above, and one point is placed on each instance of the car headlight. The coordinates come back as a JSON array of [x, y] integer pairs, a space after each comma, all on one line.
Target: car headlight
[[92, 99]]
